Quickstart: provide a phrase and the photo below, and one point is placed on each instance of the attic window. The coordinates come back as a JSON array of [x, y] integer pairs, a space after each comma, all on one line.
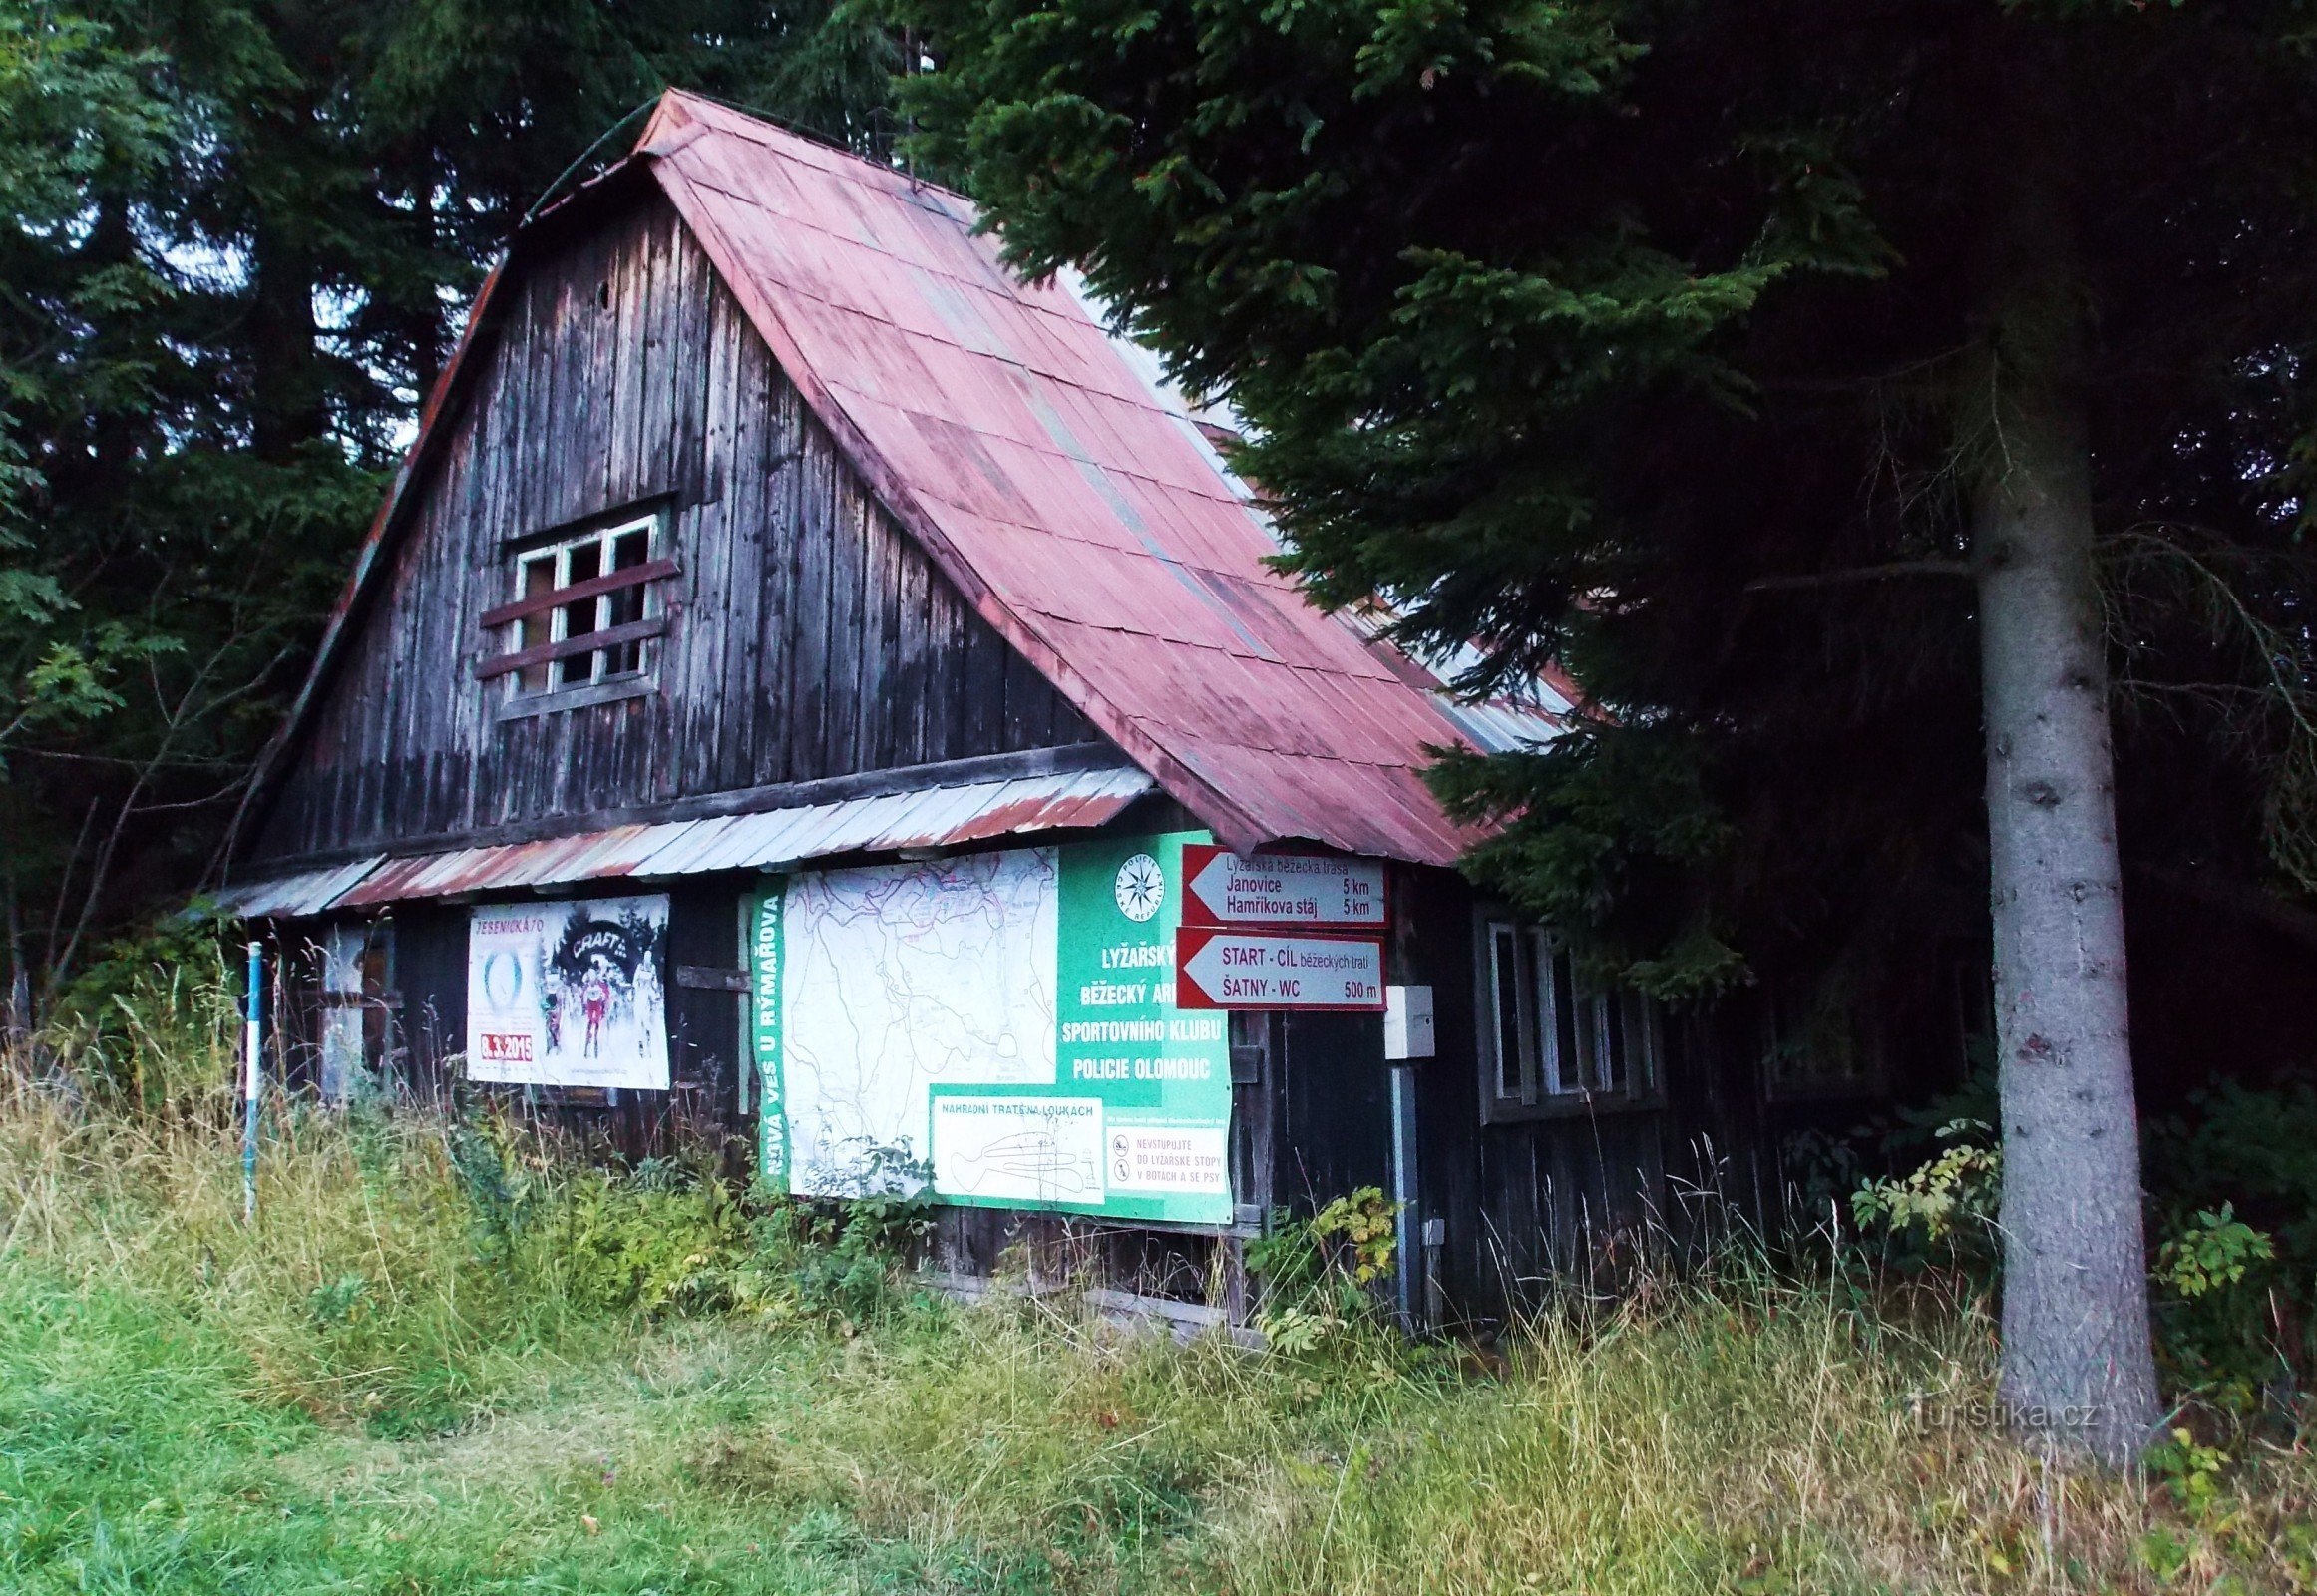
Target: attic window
[[1552, 1038], [585, 611]]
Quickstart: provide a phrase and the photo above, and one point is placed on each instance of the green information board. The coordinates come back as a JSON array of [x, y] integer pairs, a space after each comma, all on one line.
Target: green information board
[[764, 1036], [1128, 1116], [1161, 1076]]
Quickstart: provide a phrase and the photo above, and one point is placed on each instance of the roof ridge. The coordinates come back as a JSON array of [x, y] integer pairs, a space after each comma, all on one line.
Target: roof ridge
[[759, 119]]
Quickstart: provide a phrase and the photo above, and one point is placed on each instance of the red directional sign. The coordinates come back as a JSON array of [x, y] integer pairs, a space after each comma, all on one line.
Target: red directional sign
[[1217, 967], [1288, 890]]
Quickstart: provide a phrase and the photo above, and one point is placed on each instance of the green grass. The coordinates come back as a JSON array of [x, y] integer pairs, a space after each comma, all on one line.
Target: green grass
[[373, 1393]]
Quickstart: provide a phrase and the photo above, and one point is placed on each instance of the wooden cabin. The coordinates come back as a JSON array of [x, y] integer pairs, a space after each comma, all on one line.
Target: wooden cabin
[[792, 694]]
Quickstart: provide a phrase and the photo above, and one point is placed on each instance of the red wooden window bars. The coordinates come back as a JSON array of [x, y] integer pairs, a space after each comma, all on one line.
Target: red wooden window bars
[[585, 610]]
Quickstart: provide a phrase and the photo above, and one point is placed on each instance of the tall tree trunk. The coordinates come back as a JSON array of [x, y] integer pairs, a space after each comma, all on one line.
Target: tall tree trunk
[[287, 398], [2078, 1371]]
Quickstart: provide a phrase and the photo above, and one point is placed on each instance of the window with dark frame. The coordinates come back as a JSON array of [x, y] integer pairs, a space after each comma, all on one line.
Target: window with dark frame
[[1551, 1036], [585, 610], [1813, 1045]]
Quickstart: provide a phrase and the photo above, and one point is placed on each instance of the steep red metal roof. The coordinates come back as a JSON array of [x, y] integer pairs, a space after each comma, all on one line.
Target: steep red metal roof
[[1081, 513]]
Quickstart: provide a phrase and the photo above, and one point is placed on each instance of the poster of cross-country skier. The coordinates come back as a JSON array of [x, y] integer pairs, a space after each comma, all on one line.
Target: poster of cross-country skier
[[568, 994]]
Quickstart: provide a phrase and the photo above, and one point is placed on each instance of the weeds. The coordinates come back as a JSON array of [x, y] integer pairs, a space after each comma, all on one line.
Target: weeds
[[451, 1359]]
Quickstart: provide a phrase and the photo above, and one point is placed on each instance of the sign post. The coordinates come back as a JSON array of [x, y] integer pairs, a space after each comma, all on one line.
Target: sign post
[[1282, 891], [250, 1080], [1216, 968]]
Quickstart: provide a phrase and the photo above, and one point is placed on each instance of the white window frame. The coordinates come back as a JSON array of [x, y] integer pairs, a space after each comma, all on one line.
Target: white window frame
[[1559, 1068], [602, 539]]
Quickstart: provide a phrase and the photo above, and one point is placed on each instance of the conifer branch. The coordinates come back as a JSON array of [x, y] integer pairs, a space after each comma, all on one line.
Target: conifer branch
[[1857, 573]]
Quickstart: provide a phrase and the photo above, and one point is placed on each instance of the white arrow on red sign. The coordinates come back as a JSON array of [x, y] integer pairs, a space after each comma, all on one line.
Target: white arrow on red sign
[[1226, 968], [1221, 888]]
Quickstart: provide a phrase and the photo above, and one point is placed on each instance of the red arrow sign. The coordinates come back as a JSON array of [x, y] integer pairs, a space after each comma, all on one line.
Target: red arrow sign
[[1288, 891], [1219, 968]]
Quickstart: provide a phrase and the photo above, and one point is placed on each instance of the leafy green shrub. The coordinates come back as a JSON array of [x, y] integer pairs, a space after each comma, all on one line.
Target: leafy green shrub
[[2215, 1252], [641, 1240], [2234, 1184], [661, 1236], [848, 1254], [1317, 1274], [2212, 1306], [1943, 1209]]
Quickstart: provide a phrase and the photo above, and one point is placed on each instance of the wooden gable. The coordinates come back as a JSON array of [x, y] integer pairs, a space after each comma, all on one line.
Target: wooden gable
[[806, 635]]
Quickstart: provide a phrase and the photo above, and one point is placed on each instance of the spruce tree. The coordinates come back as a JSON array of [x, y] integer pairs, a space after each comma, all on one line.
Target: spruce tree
[[1790, 372]]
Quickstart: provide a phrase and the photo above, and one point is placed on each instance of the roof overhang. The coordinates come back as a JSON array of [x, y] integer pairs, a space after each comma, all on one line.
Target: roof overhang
[[769, 839]]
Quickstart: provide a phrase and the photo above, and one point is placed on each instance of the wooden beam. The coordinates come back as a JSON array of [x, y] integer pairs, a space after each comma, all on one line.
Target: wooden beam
[[579, 591], [703, 978], [587, 642]]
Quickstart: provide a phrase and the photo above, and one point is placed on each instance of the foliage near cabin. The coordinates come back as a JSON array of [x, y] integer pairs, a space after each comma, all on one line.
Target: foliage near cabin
[[235, 241], [1791, 373], [451, 1355]]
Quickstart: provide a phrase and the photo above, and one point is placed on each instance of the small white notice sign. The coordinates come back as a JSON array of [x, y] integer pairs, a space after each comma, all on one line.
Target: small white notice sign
[[1026, 1149], [1186, 1158]]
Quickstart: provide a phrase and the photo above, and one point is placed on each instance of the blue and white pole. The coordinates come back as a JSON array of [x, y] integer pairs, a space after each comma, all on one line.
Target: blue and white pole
[[250, 1085]]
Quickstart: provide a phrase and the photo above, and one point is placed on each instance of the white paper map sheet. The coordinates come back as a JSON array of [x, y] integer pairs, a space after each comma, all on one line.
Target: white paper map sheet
[[900, 978], [1018, 1149]]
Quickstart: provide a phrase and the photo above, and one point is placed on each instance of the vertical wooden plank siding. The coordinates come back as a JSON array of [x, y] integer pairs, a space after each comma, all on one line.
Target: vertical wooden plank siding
[[809, 635]]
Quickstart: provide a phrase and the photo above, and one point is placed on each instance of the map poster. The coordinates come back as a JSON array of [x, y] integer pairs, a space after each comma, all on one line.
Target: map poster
[[899, 980], [1001, 1024], [568, 994]]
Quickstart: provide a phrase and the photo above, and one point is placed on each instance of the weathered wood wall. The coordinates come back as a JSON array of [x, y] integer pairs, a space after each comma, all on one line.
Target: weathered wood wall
[[1572, 1193], [809, 637]]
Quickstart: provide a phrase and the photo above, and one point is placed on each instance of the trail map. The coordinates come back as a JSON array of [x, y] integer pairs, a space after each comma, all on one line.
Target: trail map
[[1005, 1022], [900, 978]]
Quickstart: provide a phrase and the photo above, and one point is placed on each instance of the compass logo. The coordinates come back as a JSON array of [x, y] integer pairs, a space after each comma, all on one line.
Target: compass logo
[[1140, 887]]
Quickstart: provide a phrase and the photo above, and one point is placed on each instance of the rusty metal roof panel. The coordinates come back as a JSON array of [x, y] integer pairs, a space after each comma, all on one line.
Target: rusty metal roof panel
[[467, 870], [1003, 425], [930, 817], [691, 849], [295, 896], [756, 842], [1501, 726], [620, 850], [384, 885]]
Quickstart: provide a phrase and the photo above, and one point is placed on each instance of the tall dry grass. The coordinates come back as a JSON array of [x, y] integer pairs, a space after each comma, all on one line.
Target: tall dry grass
[[359, 1293], [472, 1419]]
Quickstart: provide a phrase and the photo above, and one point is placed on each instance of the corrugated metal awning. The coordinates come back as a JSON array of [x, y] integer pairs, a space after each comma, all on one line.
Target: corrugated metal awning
[[769, 839], [309, 892]]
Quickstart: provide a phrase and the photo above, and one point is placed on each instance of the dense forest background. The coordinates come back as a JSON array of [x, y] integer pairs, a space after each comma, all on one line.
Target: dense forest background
[[240, 239]]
